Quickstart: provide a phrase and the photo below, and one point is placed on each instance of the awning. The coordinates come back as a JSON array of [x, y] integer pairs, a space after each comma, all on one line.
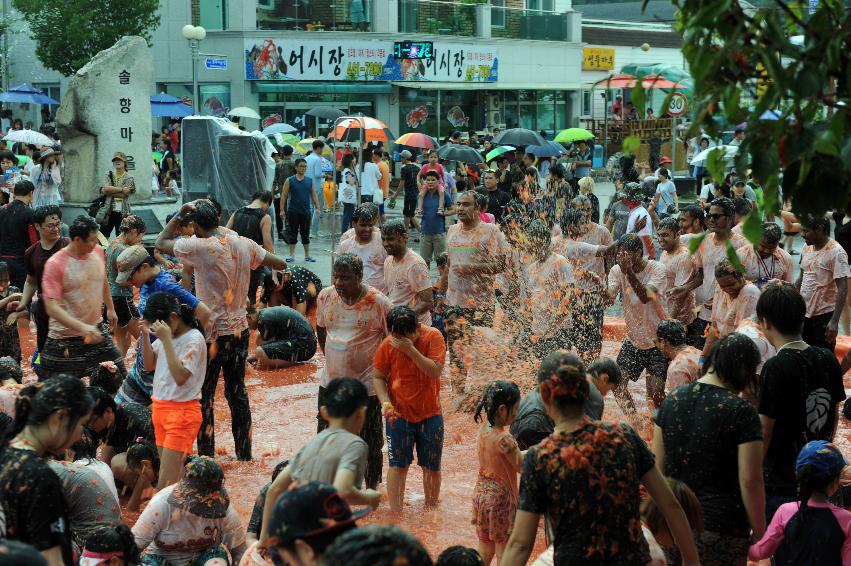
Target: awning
[[325, 87], [436, 85]]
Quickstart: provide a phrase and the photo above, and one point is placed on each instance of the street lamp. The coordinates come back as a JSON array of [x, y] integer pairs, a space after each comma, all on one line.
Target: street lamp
[[194, 34]]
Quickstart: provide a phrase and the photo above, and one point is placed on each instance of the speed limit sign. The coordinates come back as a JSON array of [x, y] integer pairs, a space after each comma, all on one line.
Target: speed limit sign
[[678, 104]]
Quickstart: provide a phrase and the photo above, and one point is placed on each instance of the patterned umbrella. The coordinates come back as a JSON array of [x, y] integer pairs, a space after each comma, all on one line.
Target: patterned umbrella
[[373, 130], [416, 139]]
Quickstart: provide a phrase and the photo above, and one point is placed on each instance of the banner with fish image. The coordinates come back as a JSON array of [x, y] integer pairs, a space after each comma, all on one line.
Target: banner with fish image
[[282, 59]]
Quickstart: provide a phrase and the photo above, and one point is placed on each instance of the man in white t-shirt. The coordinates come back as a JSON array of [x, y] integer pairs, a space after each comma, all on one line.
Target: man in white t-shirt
[[639, 216], [369, 179], [366, 244], [406, 277]]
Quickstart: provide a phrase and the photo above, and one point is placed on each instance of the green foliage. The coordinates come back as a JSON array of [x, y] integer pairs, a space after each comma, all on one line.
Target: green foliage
[[68, 33], [744, 63]]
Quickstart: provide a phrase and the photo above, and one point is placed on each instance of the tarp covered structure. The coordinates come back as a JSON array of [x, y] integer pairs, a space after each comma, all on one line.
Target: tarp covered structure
[[670, 72]]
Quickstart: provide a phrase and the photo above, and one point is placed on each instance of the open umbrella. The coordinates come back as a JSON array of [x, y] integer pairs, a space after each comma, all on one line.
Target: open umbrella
[[286, 139], [497, 151], [373, 130], [550, 149], [244, 112], [306, 146], [519, 137], [30, 137], [326, 112], [279, 128], [617, 81], [164, 98], [416, 139], [26, 94], [571, 135], [729, 152], [170, 109], [460, 152]]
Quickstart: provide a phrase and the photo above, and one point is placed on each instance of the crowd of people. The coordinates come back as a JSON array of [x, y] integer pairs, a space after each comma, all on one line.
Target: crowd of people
[[735, 349]]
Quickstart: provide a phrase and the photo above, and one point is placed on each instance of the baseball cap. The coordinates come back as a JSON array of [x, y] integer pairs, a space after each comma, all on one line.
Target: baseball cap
[[406, 154], [823, 457], [665, 159], [738, 182], [201, 491], [128, 261], [634, 191], [119, 155], [310, 510]]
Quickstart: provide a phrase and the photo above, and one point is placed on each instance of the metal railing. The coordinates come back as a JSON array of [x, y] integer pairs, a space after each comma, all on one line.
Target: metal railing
[[520, 23]]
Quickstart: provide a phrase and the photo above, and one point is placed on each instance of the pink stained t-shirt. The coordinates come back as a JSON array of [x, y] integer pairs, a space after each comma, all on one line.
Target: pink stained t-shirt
[[372, 254], [642, 319], [466, 247], [819, 270], [581, 255], [353, 334], [761, 271], [750, 328], [77, 284], [679, 267], [222, 268], [707, 256], [549, 287], [598, 236], [683, 369], [406, 278], [728, 312], [497, 451]]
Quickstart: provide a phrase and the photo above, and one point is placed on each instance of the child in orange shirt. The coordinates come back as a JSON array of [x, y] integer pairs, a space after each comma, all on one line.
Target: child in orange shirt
[[496, 493]]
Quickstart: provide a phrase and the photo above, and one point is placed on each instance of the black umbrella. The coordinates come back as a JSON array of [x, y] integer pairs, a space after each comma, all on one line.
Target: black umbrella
[[519, 137], [326, 112], [459, 152]]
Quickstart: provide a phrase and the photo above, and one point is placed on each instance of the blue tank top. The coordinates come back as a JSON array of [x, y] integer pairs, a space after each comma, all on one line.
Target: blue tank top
[[299, 197]]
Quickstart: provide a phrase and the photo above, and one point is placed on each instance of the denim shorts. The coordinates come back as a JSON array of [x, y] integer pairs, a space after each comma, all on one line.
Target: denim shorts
[[427, 435]]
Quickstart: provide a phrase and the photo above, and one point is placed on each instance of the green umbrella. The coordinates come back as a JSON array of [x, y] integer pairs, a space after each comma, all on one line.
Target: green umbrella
[[571, 135], [157, 156], [22, 160], [494, 153], [287, 139]]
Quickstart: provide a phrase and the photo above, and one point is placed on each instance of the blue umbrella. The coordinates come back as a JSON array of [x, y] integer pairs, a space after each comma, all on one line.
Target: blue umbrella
[[26, 94], [279, 128], [170, 109], [164, 98], [770, 115], [550, 149]]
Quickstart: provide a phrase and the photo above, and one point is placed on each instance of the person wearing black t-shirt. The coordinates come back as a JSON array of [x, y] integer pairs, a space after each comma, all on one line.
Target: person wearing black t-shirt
[[497, 199], [285, 337], [408, 174], [17, 232], [33, 508], [800, 391]]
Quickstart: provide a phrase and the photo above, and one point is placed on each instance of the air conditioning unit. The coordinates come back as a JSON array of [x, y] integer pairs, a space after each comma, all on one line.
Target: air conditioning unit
[[494, 103], [494, 118]]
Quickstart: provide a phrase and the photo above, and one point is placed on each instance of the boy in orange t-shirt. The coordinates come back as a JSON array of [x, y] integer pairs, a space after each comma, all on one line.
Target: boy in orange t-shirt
[[408, 365]]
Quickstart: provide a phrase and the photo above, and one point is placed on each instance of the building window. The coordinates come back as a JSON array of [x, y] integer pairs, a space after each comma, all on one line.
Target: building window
[[586, 102], [213, 14], [540, 5], [498, 15], [214, 97]]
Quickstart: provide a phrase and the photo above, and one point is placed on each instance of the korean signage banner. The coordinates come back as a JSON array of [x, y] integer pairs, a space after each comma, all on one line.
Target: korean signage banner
[[598, 58], [318, 60]]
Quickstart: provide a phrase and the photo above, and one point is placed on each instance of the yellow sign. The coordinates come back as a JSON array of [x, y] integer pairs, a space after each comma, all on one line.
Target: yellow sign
[[598, 58]]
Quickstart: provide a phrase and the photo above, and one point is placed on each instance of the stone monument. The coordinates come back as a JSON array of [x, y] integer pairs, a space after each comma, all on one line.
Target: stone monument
[[107, 108]]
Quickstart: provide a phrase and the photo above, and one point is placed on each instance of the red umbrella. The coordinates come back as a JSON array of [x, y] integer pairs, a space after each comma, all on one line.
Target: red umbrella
[[618, 81], [657, 81]]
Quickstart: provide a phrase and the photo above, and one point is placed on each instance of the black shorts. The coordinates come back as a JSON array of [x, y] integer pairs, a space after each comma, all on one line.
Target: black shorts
[[633, 361], [298, 223], [410, 205], [289, 350], [126, 310]]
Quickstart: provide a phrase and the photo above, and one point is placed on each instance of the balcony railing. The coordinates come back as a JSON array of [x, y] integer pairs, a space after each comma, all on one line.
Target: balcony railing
[[518, 23], [315, 15], [436, 17]]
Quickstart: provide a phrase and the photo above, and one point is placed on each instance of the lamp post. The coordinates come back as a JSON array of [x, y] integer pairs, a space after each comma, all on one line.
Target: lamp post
[[195, 34]]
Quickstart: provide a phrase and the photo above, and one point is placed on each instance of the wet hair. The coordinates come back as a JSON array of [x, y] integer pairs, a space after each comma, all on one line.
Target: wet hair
[[349, 262], [673, 331], [115, 539], [431, 173], [695, 212], [482, 201], [630, 243], [279, 467], [459, 556], [102, 401], [85, 448], [216, 204], [394, 228], [470, 194], [742, 206], [579, 199], [344, 396], [652, 516], [726, 204], [23, 188], [299, 161], [781, 304], [497, 393], [377, 545], [365, 212], [82, 227], [132, 222], [570, 217], [442, 259], [402, 320], [42, 212], [562, 377], [812, 222], [161, 305], [263, 196], [205, 215], [670, 223], [538, 231], [184, 220], [557, 171], [725, 267], [143, 450], [35, 403], [10, 369], [734, 358], [606, 366], [771, 233]]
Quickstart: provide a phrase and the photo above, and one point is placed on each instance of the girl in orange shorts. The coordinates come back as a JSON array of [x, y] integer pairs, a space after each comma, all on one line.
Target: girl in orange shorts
[[179, 361]]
